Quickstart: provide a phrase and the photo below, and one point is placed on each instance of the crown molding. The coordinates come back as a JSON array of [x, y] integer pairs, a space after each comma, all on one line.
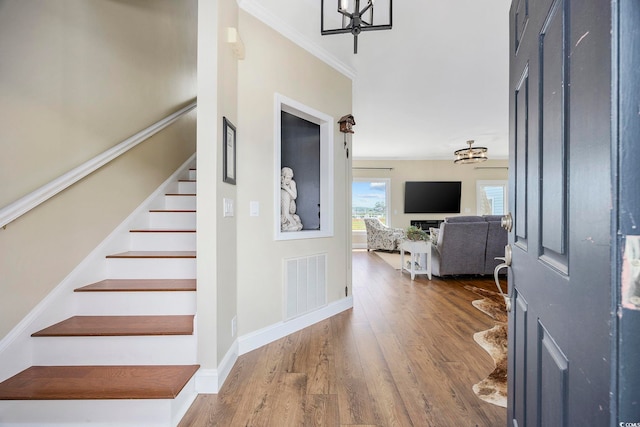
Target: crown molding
[[257, 10]]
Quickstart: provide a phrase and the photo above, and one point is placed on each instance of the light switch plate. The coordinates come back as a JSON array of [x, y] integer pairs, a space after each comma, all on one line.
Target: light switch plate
[[254, 208], [227, 207]]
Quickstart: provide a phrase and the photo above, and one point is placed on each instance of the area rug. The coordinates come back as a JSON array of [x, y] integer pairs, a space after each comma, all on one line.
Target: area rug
[[391, 258], [493, 388]]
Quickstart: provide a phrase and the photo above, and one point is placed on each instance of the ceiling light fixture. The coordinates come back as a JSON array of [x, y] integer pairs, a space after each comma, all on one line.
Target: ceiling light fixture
[[356, 21], [471, 154]]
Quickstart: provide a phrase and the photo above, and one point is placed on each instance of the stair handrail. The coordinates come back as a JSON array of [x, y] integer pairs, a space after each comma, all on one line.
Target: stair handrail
[[23, 205]]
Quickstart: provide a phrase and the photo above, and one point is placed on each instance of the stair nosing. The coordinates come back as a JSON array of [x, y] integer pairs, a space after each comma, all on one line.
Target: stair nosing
[[153, 255], [98, 382], [119, 326], [173, 210], [139, 285], [161, 230]]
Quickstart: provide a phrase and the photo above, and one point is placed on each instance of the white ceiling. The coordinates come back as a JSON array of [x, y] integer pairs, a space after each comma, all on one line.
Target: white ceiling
[[422, 89]]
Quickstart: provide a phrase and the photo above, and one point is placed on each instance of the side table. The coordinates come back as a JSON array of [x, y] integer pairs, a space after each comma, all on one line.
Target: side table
[[420, 254]]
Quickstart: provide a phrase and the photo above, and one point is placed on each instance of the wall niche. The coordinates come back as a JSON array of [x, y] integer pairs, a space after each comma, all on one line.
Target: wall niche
[[303, 143]]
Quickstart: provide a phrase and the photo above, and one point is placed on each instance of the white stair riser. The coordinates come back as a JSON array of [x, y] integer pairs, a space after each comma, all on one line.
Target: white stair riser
[[163, 241], [182, 202], [187, 187], [136, 350], [101, 413], [134, 303], [126, 350], [151, 268], [174, 220]]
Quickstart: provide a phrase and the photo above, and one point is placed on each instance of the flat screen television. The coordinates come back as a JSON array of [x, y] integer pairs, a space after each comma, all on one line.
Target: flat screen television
[[432, 196]]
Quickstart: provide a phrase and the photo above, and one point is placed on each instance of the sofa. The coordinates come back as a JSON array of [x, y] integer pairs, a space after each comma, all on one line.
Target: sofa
[[379, 236], [468, 245]]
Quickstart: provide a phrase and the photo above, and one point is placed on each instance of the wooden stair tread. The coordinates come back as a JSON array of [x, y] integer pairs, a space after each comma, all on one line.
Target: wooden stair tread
[[181, 194], [161, 230], [140, 285], [87, 326], [154, 254], [97, 382], [187, 180]]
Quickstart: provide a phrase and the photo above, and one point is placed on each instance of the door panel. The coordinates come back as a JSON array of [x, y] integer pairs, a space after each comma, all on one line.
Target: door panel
[[560, 115], [520, 154], [521, 14], [552, 95], [518, 366], [552, 381]]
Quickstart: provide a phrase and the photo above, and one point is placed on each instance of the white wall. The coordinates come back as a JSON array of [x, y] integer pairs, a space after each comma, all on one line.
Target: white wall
[[273, 64], [208, 174]]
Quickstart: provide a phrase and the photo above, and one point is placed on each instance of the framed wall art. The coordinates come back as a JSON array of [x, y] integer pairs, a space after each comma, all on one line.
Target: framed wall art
[[229, 152]]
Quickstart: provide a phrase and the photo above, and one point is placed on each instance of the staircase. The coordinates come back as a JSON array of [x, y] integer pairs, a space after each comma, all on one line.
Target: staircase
[[127, 357]]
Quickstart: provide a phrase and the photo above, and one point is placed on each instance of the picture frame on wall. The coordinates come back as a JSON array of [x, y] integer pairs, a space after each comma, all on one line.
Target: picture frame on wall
[[229, 152]]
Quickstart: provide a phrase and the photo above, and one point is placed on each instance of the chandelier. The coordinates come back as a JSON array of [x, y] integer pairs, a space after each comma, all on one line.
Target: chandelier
[[354, 21], [470, 154]]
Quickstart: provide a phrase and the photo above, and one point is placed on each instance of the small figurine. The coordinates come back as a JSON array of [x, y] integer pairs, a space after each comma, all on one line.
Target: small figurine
[[289, 221]]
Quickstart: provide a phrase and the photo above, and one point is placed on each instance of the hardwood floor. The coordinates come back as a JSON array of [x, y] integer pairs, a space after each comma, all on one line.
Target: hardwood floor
[[403, 356]]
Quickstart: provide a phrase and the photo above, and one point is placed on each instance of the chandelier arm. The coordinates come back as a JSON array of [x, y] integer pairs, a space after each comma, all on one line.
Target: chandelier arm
[[375, 27], [367, 7], [337, 31]]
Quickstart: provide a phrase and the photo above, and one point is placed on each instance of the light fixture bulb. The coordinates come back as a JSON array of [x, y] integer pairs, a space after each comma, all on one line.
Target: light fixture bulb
[[344, 5]]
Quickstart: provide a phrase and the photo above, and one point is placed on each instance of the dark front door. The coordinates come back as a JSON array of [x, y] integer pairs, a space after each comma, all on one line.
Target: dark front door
[[560, 192]]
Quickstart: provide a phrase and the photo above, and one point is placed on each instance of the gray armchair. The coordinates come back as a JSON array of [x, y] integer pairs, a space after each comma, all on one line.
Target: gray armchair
[[379, 236]]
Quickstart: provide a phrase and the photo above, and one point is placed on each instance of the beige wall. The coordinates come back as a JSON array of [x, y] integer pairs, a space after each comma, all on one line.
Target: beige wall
[[77, 78], [227, 288], [427, 170], [275, 65]]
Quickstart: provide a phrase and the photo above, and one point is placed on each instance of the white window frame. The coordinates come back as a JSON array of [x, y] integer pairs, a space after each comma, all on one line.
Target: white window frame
[[387, 182], [326, 122], [480, 184]]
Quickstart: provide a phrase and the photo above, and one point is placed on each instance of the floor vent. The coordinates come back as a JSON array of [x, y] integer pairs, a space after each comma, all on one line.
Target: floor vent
[[305, 284]]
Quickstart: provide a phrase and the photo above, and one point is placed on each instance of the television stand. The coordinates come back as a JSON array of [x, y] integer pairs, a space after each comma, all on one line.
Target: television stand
[[425, 224]]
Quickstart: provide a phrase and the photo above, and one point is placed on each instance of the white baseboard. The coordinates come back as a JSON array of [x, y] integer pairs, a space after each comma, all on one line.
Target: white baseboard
[[266, 335], [209, 381], [227, 362]]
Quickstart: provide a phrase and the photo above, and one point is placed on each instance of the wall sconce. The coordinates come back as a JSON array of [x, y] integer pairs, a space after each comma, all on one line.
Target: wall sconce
[[233, 38]]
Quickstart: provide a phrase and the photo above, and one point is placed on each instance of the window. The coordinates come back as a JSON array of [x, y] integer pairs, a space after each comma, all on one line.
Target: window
[[369, 199], [491, 197]]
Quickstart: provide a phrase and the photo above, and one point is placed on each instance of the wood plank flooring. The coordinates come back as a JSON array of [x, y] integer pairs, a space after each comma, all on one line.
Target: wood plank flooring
[[403, 356]]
